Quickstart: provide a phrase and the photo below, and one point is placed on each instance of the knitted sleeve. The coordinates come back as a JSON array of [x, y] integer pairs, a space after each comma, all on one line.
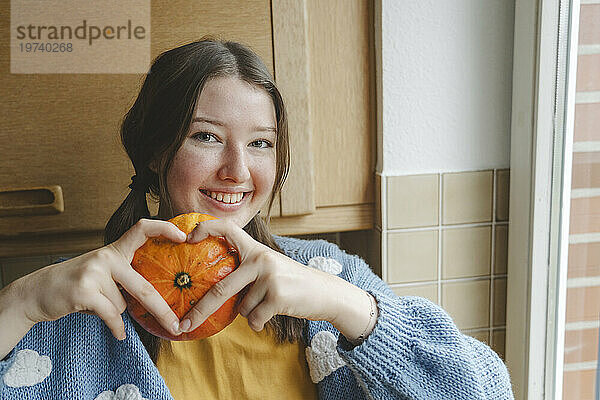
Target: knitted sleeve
[[5, 364], [416, 351]]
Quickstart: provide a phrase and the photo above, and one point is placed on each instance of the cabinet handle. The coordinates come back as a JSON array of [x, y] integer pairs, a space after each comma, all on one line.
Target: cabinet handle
[[43, 200]]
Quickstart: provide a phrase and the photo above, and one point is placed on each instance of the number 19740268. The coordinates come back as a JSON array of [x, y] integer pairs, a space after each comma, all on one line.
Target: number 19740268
[[41, 47]]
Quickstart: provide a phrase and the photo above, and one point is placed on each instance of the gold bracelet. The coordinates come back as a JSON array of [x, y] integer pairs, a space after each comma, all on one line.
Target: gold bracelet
[[361, 338]]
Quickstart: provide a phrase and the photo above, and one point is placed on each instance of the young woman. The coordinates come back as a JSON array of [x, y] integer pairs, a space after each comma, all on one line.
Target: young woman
[[208, 134]]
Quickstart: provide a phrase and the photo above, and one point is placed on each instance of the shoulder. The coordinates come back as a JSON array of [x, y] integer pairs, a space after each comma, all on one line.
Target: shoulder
[[303, 250]]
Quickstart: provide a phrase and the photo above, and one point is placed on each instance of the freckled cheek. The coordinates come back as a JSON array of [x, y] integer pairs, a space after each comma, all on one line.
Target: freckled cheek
[[190, 170], [264, 176]]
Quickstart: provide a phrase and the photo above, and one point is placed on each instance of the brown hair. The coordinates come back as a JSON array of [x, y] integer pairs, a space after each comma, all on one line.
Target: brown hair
[[155, 127]]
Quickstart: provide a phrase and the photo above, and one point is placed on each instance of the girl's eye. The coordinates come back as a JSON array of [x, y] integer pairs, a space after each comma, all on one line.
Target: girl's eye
[[263, 144], [203, 136]]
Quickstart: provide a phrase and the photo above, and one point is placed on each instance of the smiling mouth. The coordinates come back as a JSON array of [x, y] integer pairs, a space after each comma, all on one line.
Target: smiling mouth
[[225, 198]]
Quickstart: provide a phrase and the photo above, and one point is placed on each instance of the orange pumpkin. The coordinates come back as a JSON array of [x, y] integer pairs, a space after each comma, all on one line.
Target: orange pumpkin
[[182, 273]]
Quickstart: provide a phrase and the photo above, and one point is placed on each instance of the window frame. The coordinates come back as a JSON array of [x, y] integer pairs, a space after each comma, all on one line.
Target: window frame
[[545, 47]]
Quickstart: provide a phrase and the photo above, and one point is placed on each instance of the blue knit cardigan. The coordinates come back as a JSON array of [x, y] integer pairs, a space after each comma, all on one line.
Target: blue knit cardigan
[[414, 352]]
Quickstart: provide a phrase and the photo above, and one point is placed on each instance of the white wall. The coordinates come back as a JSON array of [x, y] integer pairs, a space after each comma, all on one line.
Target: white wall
[[447, 76]]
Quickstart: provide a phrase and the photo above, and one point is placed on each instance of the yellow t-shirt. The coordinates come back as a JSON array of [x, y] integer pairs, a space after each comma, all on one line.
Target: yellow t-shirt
[[236, 363]]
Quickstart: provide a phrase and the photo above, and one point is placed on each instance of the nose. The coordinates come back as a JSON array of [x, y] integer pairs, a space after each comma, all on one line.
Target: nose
[[234, 165]]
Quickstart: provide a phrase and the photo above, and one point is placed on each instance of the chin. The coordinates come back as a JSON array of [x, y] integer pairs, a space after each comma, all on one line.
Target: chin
[[239, 221]]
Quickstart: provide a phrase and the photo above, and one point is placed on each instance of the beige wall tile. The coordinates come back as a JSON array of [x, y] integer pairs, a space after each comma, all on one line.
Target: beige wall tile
[[501, 249], [500, 302], [467, 197], [412, 256], [412, 201], [482, 336], [468, 303], [502, 194], [428, 291], [499, 341], [466, 252]]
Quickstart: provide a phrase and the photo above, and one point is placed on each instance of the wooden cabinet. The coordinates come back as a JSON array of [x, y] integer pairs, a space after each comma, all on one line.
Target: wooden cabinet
[[62, 129]]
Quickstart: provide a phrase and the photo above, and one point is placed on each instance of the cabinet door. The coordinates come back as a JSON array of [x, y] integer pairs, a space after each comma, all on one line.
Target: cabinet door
[[342, 92], [63, 129], [325, 63]]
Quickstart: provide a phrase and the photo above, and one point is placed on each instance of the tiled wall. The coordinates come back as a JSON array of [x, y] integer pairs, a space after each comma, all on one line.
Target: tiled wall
[[444, 237], [583, 272]]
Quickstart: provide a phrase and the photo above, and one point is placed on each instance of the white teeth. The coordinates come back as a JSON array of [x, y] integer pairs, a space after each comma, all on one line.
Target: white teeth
[[230, 198]]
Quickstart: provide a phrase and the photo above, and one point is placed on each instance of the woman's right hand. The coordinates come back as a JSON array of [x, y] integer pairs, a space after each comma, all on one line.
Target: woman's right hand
[[91, 283]]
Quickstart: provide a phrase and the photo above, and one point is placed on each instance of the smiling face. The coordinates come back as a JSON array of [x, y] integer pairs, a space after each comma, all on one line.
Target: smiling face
[[226, 166]]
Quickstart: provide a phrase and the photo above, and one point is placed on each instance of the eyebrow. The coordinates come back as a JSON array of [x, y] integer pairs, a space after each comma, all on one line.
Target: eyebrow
[[210, 121], [219, 123]]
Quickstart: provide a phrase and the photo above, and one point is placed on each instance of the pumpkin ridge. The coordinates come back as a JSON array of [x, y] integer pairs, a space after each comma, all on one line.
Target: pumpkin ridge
[[170, 291], [187, 301], [158, 262], [167, 282], [184, 251]]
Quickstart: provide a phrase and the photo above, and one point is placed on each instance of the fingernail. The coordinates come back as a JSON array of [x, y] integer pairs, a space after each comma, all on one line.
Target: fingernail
[[185, 325], [123, 336], [176, 328]]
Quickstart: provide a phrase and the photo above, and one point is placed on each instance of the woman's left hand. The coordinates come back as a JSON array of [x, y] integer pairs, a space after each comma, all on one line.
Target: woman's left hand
[[278, 285]]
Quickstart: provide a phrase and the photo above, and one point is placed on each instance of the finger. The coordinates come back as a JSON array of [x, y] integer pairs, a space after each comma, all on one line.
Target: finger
[[139, 233], [218, 294], [112, 293], [104, 308], [260, 316], [235, 235], [252, 298], [143, 291]]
